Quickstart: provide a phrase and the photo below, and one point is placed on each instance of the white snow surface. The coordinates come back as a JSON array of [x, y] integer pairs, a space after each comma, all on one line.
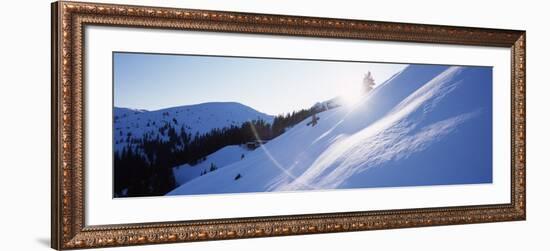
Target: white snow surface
[[221, 158], [199, 118], [415, 116]]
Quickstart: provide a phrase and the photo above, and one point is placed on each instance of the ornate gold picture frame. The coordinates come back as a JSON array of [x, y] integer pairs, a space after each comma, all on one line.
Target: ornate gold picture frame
[[69, 228]]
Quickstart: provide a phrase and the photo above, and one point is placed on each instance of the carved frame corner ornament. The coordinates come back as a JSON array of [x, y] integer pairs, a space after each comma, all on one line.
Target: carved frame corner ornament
[[68, 226]]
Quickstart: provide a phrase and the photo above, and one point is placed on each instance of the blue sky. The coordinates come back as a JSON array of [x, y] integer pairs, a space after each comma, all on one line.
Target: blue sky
[[273, 86]]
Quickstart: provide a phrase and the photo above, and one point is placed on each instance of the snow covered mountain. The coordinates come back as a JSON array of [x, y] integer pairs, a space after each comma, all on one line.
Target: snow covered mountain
[[133, 125], [120, 113], [427, 125]]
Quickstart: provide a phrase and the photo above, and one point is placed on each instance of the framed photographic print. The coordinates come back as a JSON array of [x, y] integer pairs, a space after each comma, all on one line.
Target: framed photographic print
[[176, 125]]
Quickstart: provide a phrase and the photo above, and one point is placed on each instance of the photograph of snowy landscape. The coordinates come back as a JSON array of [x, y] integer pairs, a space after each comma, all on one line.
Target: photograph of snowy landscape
[[198, 125]]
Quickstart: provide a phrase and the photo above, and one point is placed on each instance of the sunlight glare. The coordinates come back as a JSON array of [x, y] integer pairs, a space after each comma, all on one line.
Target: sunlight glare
[[351, 95]]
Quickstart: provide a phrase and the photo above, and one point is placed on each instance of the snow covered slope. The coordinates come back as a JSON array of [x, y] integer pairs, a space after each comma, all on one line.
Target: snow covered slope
[[221, 158], [427, 125], [132, 124]]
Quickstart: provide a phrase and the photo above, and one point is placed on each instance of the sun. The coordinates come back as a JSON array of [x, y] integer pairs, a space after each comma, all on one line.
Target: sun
[[350, 99], [351, 94]]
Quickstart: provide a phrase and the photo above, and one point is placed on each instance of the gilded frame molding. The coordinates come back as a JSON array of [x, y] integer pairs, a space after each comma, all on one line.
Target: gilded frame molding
[[68, 226]]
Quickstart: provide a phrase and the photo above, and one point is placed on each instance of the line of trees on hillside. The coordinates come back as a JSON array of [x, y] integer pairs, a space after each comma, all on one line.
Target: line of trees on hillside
[[144, 167], [283, 121]]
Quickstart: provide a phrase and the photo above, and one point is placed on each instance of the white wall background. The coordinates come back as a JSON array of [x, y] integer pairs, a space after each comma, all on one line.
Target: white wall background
[[25, 124]]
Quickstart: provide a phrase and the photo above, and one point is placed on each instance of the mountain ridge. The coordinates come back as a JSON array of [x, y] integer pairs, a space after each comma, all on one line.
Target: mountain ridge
[[134, 124]]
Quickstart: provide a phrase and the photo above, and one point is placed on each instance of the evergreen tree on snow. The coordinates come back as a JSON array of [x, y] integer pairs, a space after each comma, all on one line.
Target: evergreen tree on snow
[[368, 82]]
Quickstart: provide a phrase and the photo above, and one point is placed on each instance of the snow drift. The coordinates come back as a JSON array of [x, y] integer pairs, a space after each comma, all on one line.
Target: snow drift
[[427, 125]]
